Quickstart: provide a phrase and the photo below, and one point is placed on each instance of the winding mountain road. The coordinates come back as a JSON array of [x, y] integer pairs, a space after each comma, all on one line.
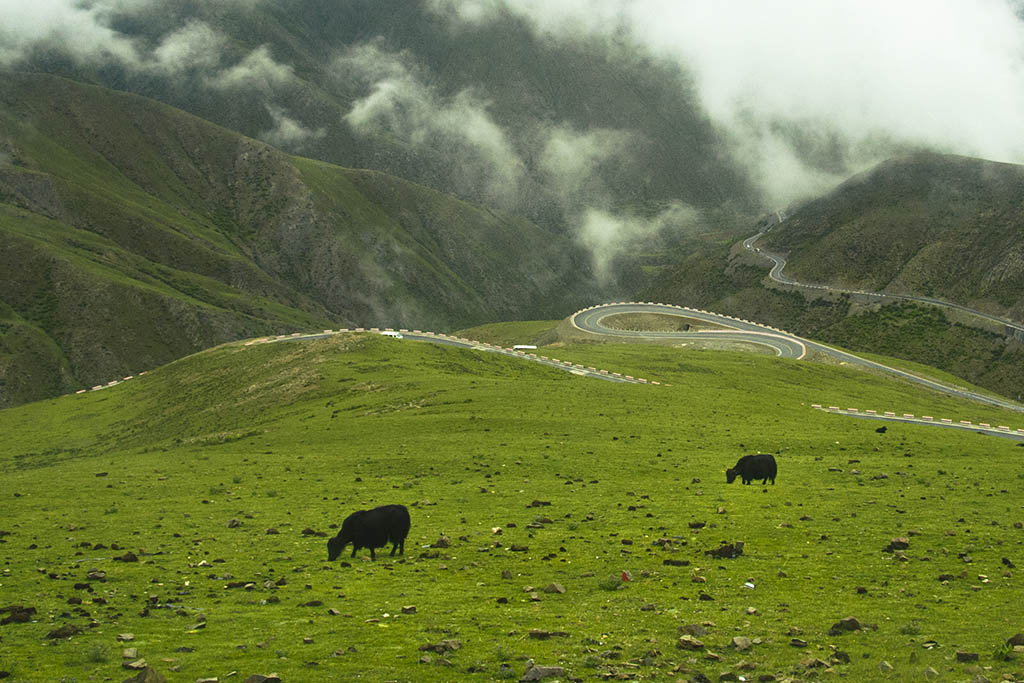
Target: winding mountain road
[[592, 321], [1011, 328]]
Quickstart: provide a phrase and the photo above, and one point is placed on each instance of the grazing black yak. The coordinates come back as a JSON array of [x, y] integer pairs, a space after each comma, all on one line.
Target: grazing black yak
[[760, 466], [372, 529]]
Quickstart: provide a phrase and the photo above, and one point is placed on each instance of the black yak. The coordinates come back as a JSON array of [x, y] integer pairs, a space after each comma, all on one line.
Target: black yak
[[372, 529], [761, 466]]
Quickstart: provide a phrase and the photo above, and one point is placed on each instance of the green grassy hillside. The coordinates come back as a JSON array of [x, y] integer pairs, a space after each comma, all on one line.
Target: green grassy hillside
[[190, 507], [943, 226], [132, 234]]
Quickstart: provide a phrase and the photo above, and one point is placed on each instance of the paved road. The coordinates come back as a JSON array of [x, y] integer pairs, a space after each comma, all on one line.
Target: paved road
[[785, 344], [982, 428], [1011, 328]]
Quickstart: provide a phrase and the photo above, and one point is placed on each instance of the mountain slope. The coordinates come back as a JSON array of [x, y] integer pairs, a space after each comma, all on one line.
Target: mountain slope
[[948, 227], [943, 226], [458, 106], [132, 233]]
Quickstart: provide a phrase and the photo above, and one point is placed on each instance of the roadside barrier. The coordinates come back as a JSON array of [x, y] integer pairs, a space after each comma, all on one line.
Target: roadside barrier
[[910, 418]]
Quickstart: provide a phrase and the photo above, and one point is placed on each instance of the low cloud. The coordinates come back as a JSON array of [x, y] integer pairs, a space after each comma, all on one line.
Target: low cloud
[[399, 103], [256, 72], [194, 46], [605, 233], [79, 30], [288, 133], [571, 161], [874, 76]]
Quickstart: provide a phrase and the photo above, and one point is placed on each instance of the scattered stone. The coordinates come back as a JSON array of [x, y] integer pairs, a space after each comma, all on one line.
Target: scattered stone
[[259, 678], [442, 542], [127, 557], [147, 675], [537, 673], [442, 647], [727, 550], [17, 614], [900, 543], [962, 656], [671, 562], [884, 666], [65, 631], [130, 653], [813, 663], [409, 609], [539, 634], [728, 676], [539, 503], [233, 523], [270, 532], [931, 673], [125, 637], [1014, 640], [693, 630], [697, 525], [137, 665], [688, 642], [554, 588], [798, 642], [741, 643], [519, 548], [846, 624]]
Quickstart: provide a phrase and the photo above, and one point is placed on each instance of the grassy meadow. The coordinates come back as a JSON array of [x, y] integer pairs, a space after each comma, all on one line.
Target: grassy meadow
[[190, 508]]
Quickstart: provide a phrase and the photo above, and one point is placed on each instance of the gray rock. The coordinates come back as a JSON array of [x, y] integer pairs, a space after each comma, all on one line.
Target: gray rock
[[147, 675], [259, 678], [537, 673], [741, 643], [693, 630], [689, 643], [554, 588]]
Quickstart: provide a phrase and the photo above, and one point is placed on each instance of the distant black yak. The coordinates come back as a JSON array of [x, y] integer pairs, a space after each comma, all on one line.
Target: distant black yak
[[372, 529], [749, 467]]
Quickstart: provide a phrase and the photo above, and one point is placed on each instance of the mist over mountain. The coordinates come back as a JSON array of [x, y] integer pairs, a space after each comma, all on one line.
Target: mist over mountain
[[132, 233], [593, 135]]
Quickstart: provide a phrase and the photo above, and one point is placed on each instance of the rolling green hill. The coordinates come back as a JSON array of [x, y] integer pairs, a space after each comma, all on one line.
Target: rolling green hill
[[132, 234], [184, 514]]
